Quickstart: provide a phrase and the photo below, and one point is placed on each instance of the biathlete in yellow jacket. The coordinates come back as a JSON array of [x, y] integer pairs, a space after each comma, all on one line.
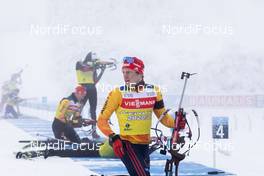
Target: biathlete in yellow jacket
[[133, 105], [87, 76], [68, 116]]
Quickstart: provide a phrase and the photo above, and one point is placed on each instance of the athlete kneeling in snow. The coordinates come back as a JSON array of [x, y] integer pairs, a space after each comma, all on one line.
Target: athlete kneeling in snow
[[133, 105], [68, 116]]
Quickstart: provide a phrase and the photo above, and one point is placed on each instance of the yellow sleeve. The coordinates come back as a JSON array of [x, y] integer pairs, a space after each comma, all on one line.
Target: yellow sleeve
[[159, 109], [111, 104], [61, 109]]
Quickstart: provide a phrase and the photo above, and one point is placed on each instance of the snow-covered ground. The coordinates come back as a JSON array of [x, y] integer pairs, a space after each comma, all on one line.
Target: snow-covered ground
[[10, 135], [34, 125], [240, 154]]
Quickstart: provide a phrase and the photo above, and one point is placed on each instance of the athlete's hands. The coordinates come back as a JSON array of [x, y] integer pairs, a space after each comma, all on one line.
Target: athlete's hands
[[116, 142]]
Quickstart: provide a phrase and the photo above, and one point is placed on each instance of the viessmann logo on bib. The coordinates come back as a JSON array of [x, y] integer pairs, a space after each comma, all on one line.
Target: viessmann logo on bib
[[132, 103]]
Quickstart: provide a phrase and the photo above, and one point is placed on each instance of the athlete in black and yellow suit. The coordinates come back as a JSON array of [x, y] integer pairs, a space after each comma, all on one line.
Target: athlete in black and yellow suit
[[87, 76], [68, 114], [133, 105]]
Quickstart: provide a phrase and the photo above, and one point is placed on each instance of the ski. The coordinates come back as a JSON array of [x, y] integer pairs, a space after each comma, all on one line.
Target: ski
[[31, 154]]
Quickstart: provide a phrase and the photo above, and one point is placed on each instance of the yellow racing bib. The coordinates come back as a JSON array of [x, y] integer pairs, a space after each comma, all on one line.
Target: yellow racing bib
[[135, 112]]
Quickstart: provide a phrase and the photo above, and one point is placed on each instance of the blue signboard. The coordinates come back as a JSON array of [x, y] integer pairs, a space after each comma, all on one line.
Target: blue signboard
[[220, 127]]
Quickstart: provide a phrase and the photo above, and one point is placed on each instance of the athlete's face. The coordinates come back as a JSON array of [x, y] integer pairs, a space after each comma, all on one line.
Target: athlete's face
[[131, 76]]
